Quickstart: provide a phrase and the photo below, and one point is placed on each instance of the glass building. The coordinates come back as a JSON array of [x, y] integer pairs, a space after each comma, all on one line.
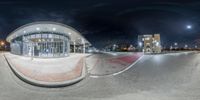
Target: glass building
[[46, 39]]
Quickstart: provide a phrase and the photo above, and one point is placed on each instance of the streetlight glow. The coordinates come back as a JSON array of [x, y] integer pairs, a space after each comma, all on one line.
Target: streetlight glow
[[2, 43], [186, 45], [140, 44], [175, 44], [157, 43]]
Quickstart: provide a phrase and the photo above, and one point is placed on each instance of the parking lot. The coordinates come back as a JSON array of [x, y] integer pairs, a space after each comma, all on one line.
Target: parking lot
[[154, 77]]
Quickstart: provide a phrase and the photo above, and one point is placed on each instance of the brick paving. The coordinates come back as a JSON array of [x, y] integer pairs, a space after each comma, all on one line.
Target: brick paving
[[52, 77], [48, 70]]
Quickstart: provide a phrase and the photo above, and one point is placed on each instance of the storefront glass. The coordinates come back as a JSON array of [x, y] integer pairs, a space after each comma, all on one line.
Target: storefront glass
[[42, 45]]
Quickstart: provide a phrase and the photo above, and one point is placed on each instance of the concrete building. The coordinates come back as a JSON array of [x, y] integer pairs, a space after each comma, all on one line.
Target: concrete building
[[46, 39], [149, 43]]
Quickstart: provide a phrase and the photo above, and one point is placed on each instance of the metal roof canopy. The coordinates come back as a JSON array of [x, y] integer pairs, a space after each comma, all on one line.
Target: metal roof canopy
[[48, 26]]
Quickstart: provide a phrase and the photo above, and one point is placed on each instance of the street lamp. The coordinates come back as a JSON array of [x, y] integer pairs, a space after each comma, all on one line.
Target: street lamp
[[196, 47], [140, 44], [186, 46], [2, 43], [114, 47], [157, 44], [171, 47], [175, 45]]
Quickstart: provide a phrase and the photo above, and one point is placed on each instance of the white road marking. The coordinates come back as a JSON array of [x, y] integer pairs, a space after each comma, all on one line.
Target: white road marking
[[114, 74], [127, 67]]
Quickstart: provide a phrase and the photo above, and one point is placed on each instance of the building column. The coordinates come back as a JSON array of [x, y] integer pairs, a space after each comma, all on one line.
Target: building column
[[68, 46], [74, 47], [83, 45], [64, 46], [32, 50], [84, 48]]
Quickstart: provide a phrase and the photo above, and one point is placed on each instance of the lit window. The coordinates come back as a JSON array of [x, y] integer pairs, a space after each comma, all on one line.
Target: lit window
[[147, 38]]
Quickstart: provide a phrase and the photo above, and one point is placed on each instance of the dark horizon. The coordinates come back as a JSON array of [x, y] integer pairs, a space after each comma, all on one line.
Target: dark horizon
[[109, 21]]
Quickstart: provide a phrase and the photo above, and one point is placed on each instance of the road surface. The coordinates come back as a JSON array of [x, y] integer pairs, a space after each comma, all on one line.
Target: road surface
[[106, 64], [154, 77]]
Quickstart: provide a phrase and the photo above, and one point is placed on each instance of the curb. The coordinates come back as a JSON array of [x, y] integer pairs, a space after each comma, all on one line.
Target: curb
[[46, 84]]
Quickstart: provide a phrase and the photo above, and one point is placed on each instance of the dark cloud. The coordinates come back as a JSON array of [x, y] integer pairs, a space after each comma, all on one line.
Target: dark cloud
[[109, 21]]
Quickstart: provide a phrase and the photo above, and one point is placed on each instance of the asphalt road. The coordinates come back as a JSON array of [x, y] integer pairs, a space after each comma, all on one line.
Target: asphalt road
[[106, 64], [154, 77]]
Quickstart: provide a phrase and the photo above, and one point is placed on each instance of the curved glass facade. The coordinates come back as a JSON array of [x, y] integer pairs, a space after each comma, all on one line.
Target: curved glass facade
[[42, 44]]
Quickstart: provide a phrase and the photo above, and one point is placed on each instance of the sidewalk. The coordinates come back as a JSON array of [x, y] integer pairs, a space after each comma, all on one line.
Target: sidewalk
[[48, 72]]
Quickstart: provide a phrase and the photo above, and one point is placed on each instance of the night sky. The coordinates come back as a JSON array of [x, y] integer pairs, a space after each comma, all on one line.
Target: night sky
[[109, 21]]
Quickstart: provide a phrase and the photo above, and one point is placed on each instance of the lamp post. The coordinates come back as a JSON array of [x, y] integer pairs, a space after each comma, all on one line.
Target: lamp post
[[140, 46], [114, 47], [176, 45], [171, 48], [195, 47], [186, 46]]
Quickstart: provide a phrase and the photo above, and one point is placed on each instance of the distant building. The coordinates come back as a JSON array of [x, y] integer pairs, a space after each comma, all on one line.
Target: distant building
[[120, 47], [149, 43]]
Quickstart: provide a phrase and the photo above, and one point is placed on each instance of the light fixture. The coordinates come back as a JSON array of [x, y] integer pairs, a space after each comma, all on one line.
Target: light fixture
[[186, 45], [37, 28], [54, 29], [140, 44], [157, 43], [175, 44], [2, 43]]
